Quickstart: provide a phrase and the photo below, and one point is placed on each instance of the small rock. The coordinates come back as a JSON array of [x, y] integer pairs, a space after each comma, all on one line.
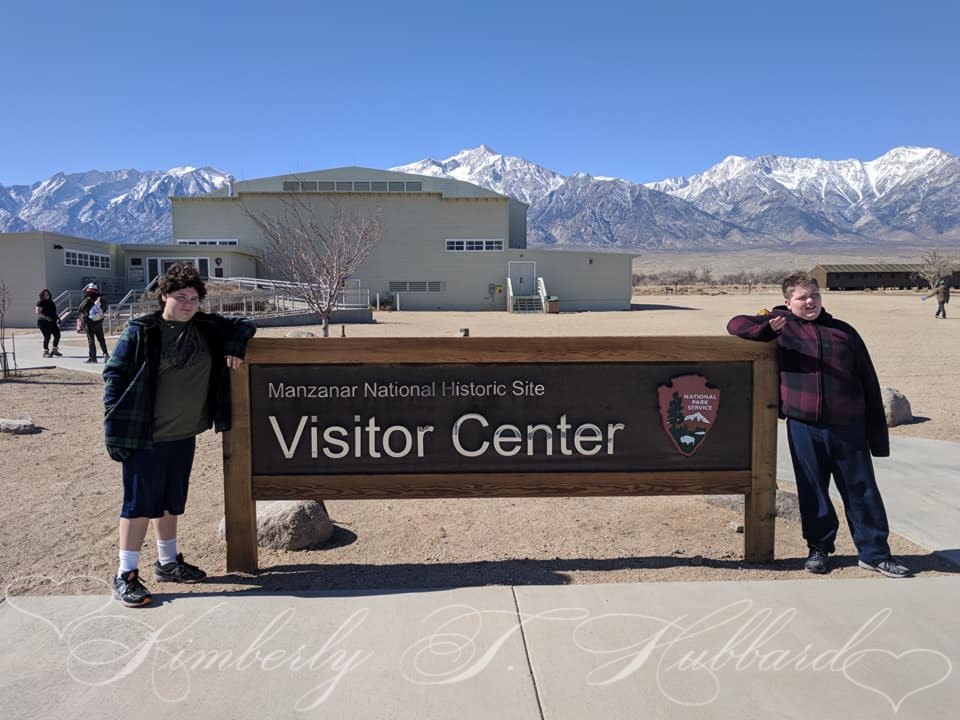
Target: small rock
[[736, 526], [300, 333], [290, 524], [896, 407], [18, 426], [696, 560]]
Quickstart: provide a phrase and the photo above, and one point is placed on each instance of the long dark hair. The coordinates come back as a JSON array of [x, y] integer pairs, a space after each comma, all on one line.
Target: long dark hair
[[50, 294]]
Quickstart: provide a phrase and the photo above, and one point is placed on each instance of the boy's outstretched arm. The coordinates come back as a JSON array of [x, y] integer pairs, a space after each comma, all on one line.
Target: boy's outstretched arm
[[756, 327]]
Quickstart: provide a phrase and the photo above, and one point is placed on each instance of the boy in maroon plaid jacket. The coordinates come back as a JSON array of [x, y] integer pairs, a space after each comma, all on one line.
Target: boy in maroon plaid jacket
[[830, 395]]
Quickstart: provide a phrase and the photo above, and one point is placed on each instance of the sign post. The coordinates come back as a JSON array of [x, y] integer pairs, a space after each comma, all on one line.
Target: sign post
[[361, 418]]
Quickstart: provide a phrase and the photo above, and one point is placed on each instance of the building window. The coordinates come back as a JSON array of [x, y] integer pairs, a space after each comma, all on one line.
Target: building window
[[474, 246], [75, 258], [418, 286], [414, 186], [210, 241]]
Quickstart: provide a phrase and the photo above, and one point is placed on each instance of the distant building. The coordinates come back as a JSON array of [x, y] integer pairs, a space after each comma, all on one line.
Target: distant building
[[446, 244], [32, 261], [873, 276]]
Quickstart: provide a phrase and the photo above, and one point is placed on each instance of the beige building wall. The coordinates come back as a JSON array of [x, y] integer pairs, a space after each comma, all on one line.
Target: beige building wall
[[22, 272], [412, 253], [412, 248], [138, 262], [32, 261], [585, 280]]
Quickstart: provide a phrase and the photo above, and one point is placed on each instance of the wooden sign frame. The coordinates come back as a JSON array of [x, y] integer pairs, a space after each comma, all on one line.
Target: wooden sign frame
[[757, 483]]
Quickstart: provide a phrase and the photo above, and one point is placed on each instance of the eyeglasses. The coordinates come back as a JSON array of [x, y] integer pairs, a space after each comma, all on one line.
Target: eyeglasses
[[184, 300]]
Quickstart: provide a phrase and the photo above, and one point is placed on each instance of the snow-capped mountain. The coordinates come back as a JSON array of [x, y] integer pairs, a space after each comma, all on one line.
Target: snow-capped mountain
[[908, 191], [513, 176], [117, 206], [619, 215], [907, 194]]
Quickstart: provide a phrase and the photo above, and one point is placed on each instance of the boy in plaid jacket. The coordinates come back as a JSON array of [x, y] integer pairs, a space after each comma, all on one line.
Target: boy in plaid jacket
[[830, 396]]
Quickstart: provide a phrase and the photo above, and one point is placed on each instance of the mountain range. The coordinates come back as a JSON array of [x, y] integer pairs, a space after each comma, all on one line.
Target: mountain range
[[908, 195]]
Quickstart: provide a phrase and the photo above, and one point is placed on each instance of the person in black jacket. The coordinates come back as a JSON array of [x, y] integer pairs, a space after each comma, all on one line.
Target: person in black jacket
[[92, 309], [167, 381], [49, 323]]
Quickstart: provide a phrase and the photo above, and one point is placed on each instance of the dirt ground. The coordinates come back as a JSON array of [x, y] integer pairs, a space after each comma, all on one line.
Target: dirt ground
[[61, 491]]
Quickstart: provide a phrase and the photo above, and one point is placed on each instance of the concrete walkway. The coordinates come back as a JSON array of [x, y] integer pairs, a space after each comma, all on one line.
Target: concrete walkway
[[851, 649]]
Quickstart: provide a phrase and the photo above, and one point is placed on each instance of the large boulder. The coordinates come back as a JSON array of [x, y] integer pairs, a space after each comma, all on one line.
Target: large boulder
[[290, 524], [896, 407]]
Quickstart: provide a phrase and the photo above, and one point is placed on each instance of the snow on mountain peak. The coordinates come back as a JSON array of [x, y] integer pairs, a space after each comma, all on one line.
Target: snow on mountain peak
[[513, 176]]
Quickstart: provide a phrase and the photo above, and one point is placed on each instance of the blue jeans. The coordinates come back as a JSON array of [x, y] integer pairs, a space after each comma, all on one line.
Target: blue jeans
[[817, 452]]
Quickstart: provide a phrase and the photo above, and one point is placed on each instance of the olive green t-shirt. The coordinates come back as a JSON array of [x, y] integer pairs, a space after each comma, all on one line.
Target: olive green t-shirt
[[180, 410]]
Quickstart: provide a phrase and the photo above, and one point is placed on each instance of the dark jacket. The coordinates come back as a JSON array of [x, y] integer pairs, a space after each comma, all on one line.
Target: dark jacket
[[131, 378], [942, 291], [826, 375], [84, 308]]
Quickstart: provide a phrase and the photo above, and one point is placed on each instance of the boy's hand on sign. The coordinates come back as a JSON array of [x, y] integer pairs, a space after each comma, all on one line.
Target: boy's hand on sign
[[233, 362], [777, 323]]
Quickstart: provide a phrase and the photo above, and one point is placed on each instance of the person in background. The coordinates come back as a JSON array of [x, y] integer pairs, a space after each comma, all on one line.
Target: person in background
[[942, 291], [49, 323], [167, 381], [830, 396], [92, 309]]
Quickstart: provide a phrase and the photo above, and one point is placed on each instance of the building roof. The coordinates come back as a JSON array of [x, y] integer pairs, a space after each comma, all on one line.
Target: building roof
[[869, 267], [354, 179]]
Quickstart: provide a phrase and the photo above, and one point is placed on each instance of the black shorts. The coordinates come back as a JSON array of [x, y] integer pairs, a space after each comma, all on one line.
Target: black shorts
[[155, 481]]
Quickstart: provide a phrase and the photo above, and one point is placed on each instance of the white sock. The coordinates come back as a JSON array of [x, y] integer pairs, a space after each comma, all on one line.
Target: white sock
[[166, 551], [129, 560]]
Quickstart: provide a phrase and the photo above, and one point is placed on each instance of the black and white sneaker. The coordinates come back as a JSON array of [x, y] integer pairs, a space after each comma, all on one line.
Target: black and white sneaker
[[889, 567], [128, 589], [178, 571]]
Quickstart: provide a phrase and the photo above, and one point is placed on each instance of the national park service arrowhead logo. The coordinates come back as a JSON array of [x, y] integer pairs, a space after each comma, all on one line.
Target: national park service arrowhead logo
[[688, 408]]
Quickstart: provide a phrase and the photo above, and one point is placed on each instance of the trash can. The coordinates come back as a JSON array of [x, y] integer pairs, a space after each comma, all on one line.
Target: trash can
[[553, 304]]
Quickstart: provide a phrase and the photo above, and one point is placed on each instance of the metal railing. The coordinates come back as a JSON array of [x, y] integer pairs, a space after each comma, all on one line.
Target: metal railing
[[509, 295], [542, 292], [350, 298], [256, 297]]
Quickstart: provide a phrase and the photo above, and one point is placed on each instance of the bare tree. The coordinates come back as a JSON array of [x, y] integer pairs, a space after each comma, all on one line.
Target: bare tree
[[680, 277], [315, 251], [933, 266]]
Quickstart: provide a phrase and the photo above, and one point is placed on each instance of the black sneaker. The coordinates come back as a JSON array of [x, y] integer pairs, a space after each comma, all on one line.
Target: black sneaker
[[178, 571], [889, 567], [817, 561], [90, 360], [128, 589]]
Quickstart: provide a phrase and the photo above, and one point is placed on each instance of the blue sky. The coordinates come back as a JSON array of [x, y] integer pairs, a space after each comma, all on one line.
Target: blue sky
[[639, 90]]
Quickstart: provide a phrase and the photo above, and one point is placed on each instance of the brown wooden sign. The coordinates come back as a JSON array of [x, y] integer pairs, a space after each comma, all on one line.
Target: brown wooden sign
[[431, 417]]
